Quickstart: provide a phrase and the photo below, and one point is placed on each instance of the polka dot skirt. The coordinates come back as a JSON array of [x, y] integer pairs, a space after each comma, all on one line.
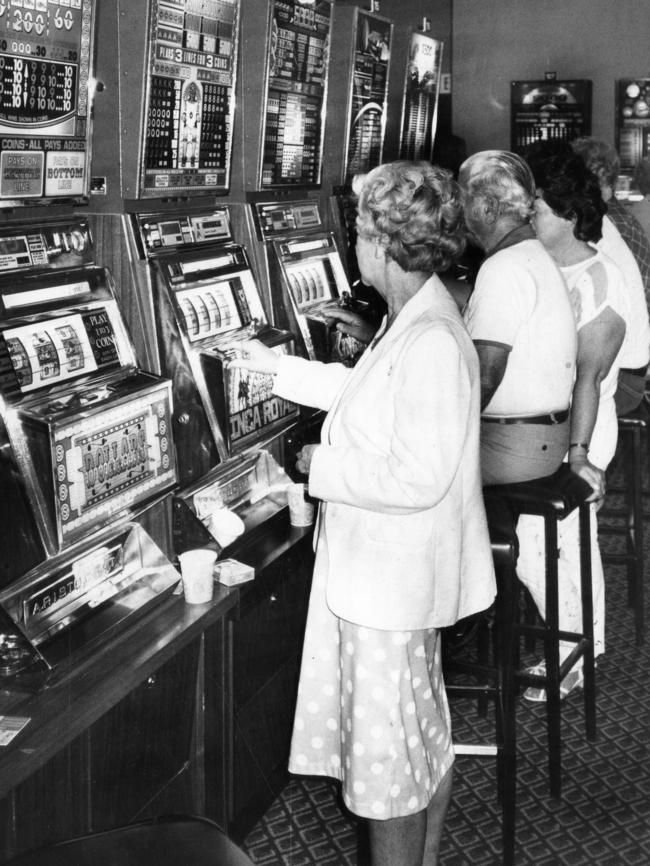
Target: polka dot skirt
[[372, 711]]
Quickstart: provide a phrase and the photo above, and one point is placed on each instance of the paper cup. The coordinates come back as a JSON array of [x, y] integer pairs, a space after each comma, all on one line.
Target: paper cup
[[225, 526], [301, 512], [197, 567]]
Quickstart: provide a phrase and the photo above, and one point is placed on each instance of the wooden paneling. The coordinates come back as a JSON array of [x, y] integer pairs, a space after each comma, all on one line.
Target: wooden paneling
[[143, 742], [271, 624], [53, 804], [267, 647]]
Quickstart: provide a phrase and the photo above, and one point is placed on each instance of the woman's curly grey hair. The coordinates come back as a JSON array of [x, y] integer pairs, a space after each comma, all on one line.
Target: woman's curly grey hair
[[503, 176], [414, 210], [599, 157]]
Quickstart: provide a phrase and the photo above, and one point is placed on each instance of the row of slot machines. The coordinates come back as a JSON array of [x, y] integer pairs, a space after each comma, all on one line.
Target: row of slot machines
[[93, 445], [123, 425]]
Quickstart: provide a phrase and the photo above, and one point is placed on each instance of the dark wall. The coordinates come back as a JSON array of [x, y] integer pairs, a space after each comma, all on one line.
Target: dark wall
[[502, 40]]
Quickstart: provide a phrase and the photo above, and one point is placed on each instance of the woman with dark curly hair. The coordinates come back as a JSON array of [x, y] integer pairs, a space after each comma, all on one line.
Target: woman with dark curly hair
[[401, 546], [568, 215]]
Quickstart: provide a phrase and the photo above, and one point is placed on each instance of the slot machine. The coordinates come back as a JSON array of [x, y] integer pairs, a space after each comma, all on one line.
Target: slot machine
[[295, 252], [87, 456], [632, 122], [362, 75], [307, 274], [194, 297], [207, 303], [87, 462]]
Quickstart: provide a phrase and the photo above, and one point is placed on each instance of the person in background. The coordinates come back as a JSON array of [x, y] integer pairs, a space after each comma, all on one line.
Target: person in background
[[641, 209], [624, 241], [604, 162], [520, 319], [568, 216], [402, 547]]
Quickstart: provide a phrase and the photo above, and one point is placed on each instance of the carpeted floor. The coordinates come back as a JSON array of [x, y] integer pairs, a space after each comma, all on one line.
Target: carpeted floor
[[603, 818]]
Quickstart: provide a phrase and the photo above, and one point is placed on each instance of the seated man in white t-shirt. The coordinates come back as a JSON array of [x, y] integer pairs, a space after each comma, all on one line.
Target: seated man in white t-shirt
[[520, 319]]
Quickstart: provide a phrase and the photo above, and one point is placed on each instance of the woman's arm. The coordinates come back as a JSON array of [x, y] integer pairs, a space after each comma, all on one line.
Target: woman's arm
[[599, 342], [309, 383]]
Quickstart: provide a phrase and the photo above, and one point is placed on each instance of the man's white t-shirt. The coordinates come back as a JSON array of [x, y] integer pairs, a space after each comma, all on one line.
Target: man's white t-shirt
[[520, 301], [635, 351]]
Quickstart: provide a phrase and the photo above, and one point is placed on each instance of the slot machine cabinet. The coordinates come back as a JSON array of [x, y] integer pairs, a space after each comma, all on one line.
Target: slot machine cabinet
[[420, 100], [367, 86], [632, 121], [357, 114], [168, 112], [87, 458], [206, 303], [306, 273], [548, 110]]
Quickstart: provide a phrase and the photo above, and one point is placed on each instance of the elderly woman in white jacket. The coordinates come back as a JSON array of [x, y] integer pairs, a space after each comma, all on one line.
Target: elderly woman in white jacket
[[402, 547]]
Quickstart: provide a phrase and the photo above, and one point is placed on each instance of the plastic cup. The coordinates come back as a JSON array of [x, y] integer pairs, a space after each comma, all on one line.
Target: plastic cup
[[301, 512], [225, 526], [197, 567]]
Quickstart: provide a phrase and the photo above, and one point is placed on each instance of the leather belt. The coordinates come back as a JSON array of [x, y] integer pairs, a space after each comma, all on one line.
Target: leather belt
[[551, 418]]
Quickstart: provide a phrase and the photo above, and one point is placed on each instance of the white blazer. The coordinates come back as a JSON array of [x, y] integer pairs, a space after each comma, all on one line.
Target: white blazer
[[402, 534]]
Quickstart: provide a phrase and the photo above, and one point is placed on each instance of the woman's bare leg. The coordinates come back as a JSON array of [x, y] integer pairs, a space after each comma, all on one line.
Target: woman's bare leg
[[415, 839], [398, 841], [436, 811]]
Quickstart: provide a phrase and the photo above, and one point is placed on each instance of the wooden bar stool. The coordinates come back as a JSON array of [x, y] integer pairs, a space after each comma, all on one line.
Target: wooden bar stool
[[553, 498], [633, 434], [492, 668]]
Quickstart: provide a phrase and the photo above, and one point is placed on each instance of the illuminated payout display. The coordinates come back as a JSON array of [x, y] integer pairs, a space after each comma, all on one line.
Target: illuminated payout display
[[369, 93], [297, 76], [421, 97], [45, 61], [190, 106], [106, 462]]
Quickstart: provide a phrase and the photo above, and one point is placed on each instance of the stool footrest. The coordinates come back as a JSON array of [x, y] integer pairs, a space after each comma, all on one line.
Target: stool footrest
[[540, 631], [474, 749], [470, 691]]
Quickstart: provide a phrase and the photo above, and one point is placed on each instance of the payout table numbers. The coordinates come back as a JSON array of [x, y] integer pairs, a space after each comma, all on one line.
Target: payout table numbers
[[45, 61]]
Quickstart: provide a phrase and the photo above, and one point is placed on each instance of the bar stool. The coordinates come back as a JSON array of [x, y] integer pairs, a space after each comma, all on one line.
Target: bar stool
[[553, 498], [632, 429], [492, 669]]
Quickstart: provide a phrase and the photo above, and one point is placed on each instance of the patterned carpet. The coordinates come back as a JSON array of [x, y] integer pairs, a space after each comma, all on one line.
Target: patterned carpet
[[603, 818]]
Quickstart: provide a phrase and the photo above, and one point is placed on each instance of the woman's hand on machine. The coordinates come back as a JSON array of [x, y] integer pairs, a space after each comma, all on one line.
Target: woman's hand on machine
[[255, 356], [349, 323]]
